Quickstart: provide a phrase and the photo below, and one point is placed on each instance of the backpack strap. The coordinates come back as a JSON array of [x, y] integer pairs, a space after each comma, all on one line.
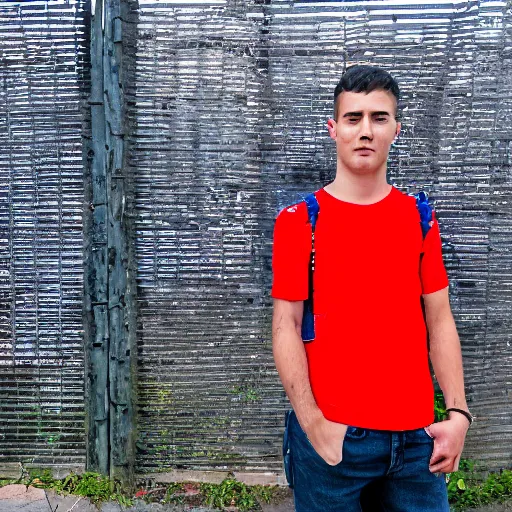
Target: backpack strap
[[426, 222], [308, 323], [425, 211]]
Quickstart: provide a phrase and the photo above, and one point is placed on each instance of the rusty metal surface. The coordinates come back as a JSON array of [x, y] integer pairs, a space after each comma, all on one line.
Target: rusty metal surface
[[42, 55]]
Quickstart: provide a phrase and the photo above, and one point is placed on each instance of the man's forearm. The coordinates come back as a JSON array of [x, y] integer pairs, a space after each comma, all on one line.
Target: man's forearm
[[291, 363], [446, 357]]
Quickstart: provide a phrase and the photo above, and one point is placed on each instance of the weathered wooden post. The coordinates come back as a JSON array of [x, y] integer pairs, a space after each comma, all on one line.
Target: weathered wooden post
[[109, 313]]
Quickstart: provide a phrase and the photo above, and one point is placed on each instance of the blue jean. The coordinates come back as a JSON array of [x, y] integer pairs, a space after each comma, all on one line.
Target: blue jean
[[381, 471]]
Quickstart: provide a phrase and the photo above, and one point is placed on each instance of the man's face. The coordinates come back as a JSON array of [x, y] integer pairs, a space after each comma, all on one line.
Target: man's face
[[364, 120]]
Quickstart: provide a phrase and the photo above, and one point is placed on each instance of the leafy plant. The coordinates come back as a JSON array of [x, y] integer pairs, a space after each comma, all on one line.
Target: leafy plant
[[96, 487], [439, 407], [466, 491], [40, 477], [171, 496], [264, 493], [234, 493]]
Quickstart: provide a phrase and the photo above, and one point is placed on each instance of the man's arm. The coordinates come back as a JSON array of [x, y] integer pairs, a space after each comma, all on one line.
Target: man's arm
[[445, 351], [291, 363], [446, 357]]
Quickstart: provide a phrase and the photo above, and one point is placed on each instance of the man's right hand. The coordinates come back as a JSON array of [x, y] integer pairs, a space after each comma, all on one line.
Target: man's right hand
[[327, 439]]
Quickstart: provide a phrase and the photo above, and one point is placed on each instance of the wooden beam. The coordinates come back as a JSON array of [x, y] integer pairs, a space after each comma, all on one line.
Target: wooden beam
[[110, 315]]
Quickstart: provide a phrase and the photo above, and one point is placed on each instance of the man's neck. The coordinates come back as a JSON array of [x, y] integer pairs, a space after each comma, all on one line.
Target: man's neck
[[358, 191]]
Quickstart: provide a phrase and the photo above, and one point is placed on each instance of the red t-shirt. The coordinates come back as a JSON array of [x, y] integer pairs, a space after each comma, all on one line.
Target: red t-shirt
[[368, 365]]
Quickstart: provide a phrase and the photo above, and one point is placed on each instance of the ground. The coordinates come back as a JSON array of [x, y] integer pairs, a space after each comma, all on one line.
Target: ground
[[17, 498]]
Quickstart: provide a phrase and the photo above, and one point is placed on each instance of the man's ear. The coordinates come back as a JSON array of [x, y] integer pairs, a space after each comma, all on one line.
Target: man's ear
[[398, 128], [331, 126]]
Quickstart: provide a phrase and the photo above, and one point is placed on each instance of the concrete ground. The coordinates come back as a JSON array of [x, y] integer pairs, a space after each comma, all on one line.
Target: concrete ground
[[17, 498]]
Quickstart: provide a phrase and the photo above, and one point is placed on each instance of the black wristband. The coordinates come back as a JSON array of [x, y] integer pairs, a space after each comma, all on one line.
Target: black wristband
[[465, 413]]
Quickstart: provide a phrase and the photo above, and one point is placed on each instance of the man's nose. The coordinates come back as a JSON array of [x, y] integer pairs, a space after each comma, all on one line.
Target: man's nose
[[366, 128]]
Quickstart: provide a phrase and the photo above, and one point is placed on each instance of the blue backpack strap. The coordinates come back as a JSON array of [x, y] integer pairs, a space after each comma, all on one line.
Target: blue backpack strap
[[308, 323], [425, 211], [313, 209]]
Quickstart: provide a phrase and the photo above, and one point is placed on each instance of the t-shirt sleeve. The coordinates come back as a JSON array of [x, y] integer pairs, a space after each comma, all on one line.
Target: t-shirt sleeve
[[433, 272], [291, 253]]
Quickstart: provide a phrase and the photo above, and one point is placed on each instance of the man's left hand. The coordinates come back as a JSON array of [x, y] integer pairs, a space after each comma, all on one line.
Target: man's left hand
[[449, 436]]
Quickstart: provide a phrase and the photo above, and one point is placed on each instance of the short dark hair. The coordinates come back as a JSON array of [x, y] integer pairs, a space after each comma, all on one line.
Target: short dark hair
[[365, 78]]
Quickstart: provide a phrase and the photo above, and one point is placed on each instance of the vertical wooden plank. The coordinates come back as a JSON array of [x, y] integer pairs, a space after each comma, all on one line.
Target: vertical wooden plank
[[95, 282], [109, 361], [120, 359]]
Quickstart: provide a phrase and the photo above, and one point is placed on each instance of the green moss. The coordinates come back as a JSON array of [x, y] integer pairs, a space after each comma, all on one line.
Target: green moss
[[165, 397], [246, 392], [49, 437]]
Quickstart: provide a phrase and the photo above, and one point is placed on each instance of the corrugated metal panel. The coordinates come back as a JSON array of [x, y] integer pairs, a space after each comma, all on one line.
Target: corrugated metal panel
[[42, 52], [229, 103]]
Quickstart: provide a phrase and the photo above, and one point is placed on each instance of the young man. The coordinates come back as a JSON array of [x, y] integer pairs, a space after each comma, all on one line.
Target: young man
[[361, 391]]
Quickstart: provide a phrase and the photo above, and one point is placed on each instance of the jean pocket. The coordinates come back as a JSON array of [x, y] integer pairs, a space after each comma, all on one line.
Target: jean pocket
[[355, 432], [287, 453]]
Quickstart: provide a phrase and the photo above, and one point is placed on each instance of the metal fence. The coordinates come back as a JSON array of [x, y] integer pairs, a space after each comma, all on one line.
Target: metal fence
[[220, 123], [42, 53]]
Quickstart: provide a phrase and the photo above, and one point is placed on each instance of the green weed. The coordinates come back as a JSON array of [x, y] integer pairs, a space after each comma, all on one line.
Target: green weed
[[171, 495], [466, 491], [439, 407], [96, 487], [234, 493]]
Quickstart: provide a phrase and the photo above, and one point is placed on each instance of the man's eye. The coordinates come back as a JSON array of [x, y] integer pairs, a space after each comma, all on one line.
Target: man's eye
[[356, 119]]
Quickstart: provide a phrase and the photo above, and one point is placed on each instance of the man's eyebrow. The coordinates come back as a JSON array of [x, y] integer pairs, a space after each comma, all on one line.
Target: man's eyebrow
[[359, 114]]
